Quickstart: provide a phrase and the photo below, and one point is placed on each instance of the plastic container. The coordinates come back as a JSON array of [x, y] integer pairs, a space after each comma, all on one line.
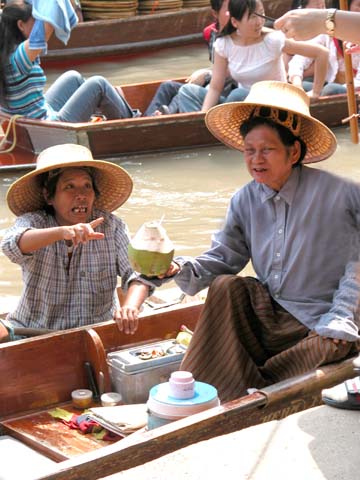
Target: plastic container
[[110, 399], [135, 371], [81, 398], [181, 384], [163, 408]]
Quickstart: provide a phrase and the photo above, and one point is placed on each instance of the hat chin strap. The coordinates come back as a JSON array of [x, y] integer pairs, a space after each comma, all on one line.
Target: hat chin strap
[[292, 120]]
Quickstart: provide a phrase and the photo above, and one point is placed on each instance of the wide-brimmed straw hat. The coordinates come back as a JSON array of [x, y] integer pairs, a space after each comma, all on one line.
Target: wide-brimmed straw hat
[[224, 120], [113, 182]]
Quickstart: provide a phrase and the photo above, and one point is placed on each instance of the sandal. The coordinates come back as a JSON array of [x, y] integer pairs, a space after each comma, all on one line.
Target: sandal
[[346, 395]]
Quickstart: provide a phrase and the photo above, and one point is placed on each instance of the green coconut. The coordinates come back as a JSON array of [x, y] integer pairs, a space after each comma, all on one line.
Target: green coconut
[[151, 251], [151, 264]]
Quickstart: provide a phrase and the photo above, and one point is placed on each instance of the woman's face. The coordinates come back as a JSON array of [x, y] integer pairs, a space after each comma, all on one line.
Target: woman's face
[[74, 197], [354, 6], [26, 27], [223, 14], [267, 159], [250, 27]]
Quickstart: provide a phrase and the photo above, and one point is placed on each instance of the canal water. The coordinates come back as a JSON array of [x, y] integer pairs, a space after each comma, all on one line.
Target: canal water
[[190, 188]]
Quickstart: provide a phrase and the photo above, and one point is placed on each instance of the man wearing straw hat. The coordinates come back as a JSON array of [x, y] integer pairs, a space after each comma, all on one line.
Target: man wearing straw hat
[[70, 247], [299, 227]]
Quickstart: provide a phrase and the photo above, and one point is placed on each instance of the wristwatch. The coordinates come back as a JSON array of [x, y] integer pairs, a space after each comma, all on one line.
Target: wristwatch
[[330, 21]]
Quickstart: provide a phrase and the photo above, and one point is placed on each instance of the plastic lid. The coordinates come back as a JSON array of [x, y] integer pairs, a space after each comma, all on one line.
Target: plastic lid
[[160, 402]]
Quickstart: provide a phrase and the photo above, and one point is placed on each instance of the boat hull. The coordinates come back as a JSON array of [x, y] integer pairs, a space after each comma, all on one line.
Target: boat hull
[[117, 38], [126, 137]]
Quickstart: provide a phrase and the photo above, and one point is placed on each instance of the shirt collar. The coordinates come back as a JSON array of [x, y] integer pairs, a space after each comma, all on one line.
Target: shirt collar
[[287, 192]]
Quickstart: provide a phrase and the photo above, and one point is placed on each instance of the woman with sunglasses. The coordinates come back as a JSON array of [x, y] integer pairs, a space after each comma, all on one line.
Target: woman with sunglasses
[[249, 53]]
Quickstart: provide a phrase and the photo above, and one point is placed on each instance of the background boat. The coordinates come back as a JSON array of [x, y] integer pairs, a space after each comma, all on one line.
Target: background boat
[[135, 34], [124, 137]]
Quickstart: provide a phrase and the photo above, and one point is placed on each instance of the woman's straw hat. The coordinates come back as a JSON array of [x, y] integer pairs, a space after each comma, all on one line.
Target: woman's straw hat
[[112, 181], [224, 120]]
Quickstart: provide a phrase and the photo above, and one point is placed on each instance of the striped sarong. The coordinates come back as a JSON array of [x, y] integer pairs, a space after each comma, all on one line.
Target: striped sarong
[[244, 339]]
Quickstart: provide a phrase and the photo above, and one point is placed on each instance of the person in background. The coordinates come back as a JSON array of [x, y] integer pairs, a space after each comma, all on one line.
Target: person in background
[[300, 67], [249, 54], [301, 310], [166, 100], [302, 4], [69, 245], [70, 98]]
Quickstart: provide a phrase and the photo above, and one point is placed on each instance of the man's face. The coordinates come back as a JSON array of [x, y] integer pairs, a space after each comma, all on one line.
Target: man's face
[[267, 159]]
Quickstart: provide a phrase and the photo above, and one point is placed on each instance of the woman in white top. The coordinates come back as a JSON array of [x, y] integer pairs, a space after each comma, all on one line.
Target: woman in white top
[[300, 68], [250, 54]]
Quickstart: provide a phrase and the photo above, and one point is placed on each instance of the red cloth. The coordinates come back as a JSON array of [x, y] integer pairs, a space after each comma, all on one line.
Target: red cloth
[[85, 424], [208, 31]]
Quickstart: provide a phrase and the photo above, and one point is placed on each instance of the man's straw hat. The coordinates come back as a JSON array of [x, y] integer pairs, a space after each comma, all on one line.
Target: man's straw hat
[[224, 120], [113, 182]]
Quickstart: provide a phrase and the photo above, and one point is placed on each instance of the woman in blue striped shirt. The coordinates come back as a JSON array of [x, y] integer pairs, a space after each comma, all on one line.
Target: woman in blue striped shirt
[[22, 80]]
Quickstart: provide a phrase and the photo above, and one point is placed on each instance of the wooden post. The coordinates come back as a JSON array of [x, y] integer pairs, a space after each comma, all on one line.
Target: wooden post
[[351, 98]]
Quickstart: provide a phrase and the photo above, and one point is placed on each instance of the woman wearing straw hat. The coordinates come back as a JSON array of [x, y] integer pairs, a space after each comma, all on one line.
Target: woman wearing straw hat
[[70, 247], [299, 227]]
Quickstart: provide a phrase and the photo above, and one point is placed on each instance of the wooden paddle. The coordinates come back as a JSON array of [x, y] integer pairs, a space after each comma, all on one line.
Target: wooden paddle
[[351, 98]]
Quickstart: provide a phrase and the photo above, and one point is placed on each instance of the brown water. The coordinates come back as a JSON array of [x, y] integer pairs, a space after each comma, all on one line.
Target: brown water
[[190, 188]]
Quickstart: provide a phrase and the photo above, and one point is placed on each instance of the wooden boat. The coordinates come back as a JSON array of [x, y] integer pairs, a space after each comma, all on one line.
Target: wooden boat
[[124, 137], [29, 391], [101, 39]]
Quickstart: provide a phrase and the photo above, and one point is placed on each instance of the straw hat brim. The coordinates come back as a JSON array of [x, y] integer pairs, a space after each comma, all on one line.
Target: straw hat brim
[[113, 182], [224, 121]]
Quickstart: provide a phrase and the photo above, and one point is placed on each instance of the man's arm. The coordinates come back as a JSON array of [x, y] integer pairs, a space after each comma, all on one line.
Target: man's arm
[[343, 319]]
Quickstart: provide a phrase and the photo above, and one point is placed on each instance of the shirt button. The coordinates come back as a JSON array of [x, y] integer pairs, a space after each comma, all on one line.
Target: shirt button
[[280, 231], [277, 295], [82, 274], [277, 198], [278, 254], [276, 276]]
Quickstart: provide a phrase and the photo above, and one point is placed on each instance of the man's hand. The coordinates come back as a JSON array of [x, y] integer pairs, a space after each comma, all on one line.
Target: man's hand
[[83, 232], [338, 341], [171, 271], [302, 23]]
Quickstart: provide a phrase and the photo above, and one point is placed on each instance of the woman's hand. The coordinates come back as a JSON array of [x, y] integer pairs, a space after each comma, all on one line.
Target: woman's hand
[[126, 319], [351, 47], [83, 232]]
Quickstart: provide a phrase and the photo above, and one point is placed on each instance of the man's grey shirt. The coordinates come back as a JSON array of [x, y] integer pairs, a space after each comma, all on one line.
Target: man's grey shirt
[[303, 242]]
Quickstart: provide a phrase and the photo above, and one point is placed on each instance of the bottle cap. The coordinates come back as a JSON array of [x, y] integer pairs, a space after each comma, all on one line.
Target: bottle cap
[[181, 384]]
